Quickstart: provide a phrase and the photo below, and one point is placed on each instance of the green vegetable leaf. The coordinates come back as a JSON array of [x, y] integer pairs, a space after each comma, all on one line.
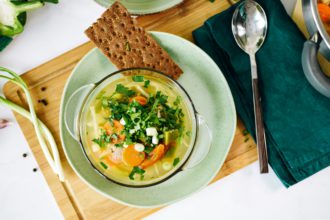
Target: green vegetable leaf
[[138, 78], [137, 170]]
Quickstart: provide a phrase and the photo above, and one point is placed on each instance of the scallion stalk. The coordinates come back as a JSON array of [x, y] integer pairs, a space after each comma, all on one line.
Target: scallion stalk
[[41, 129]]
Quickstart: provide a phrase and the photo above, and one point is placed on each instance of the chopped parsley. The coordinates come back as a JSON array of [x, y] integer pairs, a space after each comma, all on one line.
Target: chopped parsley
[[176, 161], [188, 133], [124, 90], [146, 83], [155, 113], [102, 140], [138, 78], [119, 145]]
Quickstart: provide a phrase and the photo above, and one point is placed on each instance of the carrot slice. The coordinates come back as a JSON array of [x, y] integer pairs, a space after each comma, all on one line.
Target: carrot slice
[[324, 11], [155, 155], [140, 99], [133, 157], [109, 161], [115, 129]]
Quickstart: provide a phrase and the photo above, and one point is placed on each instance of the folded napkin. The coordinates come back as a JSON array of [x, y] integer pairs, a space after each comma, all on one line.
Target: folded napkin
[[297, 117]]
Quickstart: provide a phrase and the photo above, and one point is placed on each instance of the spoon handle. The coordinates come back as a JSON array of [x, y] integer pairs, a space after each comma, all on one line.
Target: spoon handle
[[259, 123]]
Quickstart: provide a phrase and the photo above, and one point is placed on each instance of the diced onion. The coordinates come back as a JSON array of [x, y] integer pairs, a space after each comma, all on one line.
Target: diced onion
[[155, 140], [95, 147], [139, 147], [122, 121], [151, 131]]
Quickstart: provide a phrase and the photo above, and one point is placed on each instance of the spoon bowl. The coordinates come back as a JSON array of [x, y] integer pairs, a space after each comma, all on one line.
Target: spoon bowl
[[249, 26]]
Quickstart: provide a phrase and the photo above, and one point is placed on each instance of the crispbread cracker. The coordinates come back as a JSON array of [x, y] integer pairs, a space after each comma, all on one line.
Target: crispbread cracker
[[127, 45]]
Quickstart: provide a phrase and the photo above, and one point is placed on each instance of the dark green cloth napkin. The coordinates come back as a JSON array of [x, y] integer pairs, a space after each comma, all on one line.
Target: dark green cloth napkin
[[297, 117]]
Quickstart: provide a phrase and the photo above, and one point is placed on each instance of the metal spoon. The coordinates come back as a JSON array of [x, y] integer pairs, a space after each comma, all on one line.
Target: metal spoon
[[249, 26]]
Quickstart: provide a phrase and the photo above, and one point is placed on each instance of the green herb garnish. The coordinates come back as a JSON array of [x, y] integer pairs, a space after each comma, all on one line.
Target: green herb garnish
[[138, 78], [124, 90], [177, 101], [176, 161], [137, 170], [102, 140], [146, 83], [127, 46], [119, 145], [104, 165]]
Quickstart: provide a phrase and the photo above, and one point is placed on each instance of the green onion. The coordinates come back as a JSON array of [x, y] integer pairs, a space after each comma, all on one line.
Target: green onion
[[137, 170], [104, 165], [41, 130]]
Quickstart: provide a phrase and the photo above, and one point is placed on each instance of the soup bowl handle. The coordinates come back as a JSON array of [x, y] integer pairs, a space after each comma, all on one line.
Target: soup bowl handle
[[202, 145], [73, 107]]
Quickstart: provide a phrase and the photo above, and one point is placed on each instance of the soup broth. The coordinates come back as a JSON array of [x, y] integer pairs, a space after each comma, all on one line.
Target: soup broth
[[138, 130]]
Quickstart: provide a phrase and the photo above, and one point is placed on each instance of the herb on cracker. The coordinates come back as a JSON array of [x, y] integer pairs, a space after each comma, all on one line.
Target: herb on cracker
[[127, 46]]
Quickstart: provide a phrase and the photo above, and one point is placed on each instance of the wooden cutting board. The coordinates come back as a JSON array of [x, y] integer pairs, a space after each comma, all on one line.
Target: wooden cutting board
[[74, 198]]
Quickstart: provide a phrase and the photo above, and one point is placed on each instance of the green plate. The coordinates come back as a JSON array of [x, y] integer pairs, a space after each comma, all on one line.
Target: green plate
[[140, 7], [211, 95]]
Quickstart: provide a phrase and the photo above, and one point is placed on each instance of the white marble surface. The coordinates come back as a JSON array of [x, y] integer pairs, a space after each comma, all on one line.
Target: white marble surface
[[24, 194]]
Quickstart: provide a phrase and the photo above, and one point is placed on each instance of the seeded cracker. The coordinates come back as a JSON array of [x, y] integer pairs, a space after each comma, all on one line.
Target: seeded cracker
[[127, 45]]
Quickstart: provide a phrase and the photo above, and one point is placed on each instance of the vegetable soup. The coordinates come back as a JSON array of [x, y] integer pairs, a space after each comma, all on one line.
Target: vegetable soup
[[138, 130]]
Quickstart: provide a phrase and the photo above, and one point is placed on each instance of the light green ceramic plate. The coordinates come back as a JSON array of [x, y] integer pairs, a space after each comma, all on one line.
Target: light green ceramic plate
[[140, 7], [211, 95]]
